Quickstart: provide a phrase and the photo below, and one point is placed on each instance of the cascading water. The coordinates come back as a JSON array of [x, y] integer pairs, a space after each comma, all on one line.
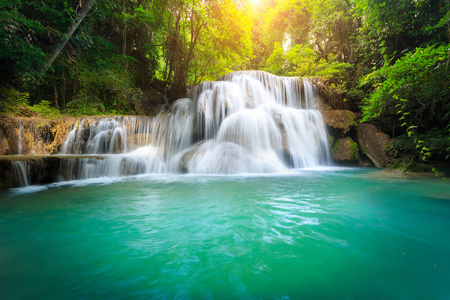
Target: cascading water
[[246, 122], [108, 135]]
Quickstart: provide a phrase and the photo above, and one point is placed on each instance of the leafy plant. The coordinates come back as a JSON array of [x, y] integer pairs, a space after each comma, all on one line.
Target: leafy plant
[[419, 79], [46, 110]]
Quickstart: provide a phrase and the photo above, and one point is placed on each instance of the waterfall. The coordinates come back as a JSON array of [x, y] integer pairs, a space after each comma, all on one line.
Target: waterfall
[[245, 122], [21, 170]]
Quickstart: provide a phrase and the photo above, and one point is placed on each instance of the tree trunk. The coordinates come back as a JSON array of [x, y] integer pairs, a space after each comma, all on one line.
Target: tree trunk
[[57, 48]]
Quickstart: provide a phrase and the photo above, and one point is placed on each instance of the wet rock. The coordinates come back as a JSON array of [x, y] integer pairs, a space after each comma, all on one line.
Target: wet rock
[[373, 143]]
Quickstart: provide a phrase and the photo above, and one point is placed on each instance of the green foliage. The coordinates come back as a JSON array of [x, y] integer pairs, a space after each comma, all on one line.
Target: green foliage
[[103, 91], [414, 93], [393, 28], [398, 48], [20, 98], [18, 104], [277, 62], [301, 60], [28, 28], [45, 109], [14, 102], [416, 84], [203, 40]]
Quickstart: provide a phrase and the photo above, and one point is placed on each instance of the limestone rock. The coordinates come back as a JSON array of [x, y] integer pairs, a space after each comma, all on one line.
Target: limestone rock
[[345, 151], [373, 144]]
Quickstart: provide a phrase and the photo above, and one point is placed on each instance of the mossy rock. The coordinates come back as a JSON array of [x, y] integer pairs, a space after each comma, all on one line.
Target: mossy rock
[[345, 151], [339, 122]]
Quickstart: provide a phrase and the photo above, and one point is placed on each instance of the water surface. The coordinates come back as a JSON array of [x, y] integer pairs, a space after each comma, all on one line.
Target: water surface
[[308, 234]]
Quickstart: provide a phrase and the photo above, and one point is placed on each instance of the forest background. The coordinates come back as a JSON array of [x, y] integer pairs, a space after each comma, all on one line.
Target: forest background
[[388, 60]]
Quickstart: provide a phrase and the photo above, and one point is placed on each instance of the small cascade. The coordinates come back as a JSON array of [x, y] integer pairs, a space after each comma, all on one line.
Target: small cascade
[[21, 171], [246, 122]]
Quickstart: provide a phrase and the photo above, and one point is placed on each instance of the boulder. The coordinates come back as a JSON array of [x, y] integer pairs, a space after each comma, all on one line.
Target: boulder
[[374, 143], [345, 151]]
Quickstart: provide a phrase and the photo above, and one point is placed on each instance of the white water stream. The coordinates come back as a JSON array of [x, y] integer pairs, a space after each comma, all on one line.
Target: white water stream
[[247, 122]]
